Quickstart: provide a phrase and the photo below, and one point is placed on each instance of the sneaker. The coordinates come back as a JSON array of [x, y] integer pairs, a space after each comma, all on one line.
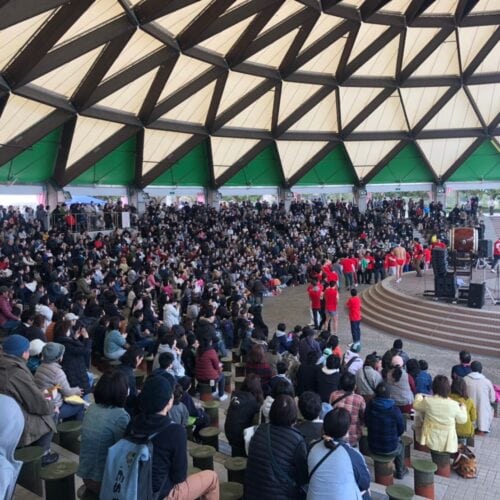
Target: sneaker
[[223, 397], [49, 458], [402, 474]]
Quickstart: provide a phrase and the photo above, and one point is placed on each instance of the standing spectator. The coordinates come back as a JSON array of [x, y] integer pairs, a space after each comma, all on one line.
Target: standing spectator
[[315, 292], [16, 381], [306, 374], [463, 368], [440, 415], [336, 470], [276, 466], [385, 427], [481, 391], [353, 403], [353, 305], [331, 296]]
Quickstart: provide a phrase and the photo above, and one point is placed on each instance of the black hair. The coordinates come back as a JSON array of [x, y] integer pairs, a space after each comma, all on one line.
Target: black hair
[[129, 357], [283, 411], [347, 382], [114, 323], [441, 386], [382, 391], [312, 358], [165, 359], [476, 366], [281, 367], [398, 344], [465, 357], [354, 292], [281, 327], [310, 405], [282, 386], [336, 424], [178, 392], [412, 367], [111, 389], [332, 362], [372, 360], [422, 364]]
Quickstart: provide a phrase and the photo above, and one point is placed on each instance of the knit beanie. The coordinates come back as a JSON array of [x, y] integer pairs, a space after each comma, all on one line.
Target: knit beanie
[[52, 352], [155, 395], [16, 345]]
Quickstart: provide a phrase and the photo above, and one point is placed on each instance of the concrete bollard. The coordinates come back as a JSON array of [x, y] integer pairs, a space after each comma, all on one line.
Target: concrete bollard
[[212, 409], [442, 460], [407, 442], [205, 392], [383, 469], [59, 480], [210, 436], [423, 478], [227, 382], [236, 467], [399, 492], [203, 457], [29, 477]]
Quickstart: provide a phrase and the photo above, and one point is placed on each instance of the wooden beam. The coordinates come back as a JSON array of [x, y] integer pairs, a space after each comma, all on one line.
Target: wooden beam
[[480, 56], [63, 153], [370, 7], [276, 108], [215, 102], [463, 9], [416, 8], [149, 10], [340, 75], [139, 156], [15, 12]]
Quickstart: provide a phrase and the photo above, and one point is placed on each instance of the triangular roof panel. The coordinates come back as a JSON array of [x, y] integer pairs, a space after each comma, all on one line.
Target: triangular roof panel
[[365, 155], [158, 145], [442, 7], [472, 39], [293, 95], [18, 115], [320, 118], [295, 154], [419, 100], [367, 34], [263, 170], [443, 61], [491, 63], [177, 21], [273, 54], [388, 116], [487, 99], [191, 170], [442, 153], [65, 79], [407, 166], [286, 10], [223, 41], [237, 86], [416, 39], [227, 151], [482, 165], [88, 135], [334, 169], [323, 25], [354, 99], [456, 113], [258, 115], [327, 60], [383, 63]]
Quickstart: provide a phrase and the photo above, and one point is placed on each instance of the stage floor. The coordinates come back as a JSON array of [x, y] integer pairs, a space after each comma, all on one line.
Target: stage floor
[[415, 287]]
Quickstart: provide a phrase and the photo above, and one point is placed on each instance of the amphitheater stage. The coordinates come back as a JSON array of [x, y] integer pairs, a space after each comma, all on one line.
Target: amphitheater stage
[[402, 309]]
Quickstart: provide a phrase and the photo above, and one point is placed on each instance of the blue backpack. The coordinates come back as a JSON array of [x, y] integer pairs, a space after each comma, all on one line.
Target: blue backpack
[[128, 470]]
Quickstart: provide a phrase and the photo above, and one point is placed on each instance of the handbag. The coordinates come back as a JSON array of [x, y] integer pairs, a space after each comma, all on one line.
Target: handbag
[[465, 464]]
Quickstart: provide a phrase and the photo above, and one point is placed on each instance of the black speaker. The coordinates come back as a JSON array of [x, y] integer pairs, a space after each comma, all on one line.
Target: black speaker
[[477, 292], [439, 261], [445, 285], [485, 249]]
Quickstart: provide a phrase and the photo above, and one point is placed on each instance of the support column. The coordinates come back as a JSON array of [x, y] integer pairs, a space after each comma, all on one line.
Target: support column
[[54, 195], [138, 198], [360, 198], [212, 198], [285, 196], [439, 194]]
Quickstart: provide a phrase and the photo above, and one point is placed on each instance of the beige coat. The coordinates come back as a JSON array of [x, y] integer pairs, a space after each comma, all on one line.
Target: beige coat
[[481, 391], [440, 416]]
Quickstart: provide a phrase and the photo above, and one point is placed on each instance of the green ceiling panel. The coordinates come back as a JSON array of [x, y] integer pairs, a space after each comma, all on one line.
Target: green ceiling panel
[[116, 168], [35, 164], [191, 170], [334, 169], [264, 170], [407, 166], [482, 165]]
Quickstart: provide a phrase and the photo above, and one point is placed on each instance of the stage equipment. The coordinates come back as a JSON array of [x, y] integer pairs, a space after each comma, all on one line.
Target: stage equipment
[[445, 286], [463, 239], [477, 293]]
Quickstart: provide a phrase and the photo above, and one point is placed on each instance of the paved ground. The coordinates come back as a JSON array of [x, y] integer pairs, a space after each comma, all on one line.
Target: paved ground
[[292, 308]]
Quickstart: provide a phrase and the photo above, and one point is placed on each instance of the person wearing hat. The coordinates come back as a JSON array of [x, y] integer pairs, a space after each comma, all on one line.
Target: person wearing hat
[[35, 358], [51, 379], [8, 320], [170, 479], [16, 381]]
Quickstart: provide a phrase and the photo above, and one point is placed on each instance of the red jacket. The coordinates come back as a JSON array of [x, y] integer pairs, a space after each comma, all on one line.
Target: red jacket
[[207, 366], [6, 311]]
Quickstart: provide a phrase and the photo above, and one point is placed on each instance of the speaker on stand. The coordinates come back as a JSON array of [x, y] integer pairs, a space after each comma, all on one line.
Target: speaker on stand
[[485, 249], [439, 261], [477, 293]]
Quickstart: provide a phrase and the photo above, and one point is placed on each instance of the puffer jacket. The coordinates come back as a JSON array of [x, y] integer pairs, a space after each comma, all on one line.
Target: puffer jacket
[[50, 374], [282, 481], [17, 382], [76, 361], [207, 366]]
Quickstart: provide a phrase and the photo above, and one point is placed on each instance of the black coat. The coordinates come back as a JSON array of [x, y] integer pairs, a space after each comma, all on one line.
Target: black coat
[[281, 482], [326, 384], [240, 414], [76, 360]]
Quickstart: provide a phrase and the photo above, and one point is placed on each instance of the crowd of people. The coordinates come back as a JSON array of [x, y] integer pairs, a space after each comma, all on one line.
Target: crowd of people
[[181, 289]]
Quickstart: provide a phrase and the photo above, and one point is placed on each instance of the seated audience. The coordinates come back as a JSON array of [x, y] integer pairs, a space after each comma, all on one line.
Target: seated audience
[[399, 385], [178, 413], [257, 364], [459, 394], [440, 416], [104, 424], [369, 376], [328, 377], [462, 369], [276, 466], [306, 374], [311, 427], [208, 369], [336, 470], [115, 342], [281, 387]]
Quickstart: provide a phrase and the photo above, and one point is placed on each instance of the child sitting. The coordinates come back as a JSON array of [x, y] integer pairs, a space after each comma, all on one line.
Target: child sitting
[[179, 413], [423, 381]]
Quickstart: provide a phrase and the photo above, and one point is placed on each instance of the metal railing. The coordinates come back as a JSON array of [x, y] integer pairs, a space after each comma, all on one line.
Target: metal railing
[[90, 221]]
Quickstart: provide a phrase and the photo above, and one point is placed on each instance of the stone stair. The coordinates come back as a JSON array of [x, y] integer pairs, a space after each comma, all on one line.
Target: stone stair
[[429, 322]]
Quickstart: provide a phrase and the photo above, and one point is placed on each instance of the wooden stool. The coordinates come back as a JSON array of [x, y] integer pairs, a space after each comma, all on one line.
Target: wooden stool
[[236, 355], [442, 460], [210, 436], [399, 492], [417, 446], [236, 467], [205, 391], [212, 409], [238, 382], [227, 381], [203, 457], [68, 434], [240, 369], [59, 480], [139, 378], [84, 494], [227, 364], [363, 442], [231, 491], [29, 477], [383, 469], [407, 442], [423, 478]]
